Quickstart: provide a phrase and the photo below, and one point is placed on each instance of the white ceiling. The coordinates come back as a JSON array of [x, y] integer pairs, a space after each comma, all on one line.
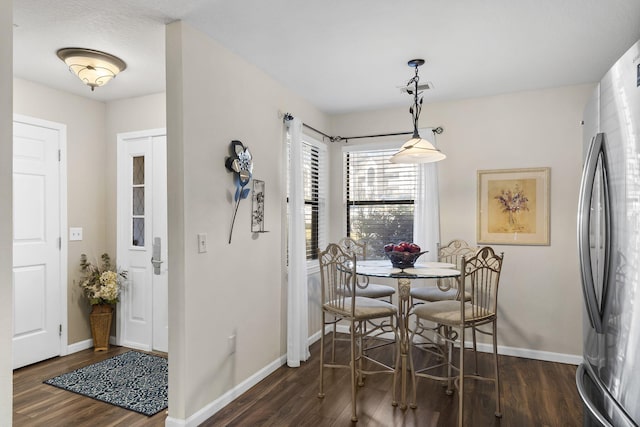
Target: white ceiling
[[341, 55]]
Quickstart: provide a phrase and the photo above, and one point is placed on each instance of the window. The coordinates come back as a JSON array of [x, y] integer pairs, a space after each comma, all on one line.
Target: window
[[314, 182], [379, 198]]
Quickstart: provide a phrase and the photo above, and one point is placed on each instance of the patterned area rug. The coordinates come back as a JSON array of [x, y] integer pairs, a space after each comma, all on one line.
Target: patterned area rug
[[132, 380]]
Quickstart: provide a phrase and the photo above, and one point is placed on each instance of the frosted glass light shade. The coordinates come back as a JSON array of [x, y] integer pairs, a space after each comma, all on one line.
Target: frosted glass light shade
[[93, 67], [417, 150]]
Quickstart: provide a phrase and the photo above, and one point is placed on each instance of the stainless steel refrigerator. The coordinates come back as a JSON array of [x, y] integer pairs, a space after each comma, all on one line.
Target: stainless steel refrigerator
[[608, 379]]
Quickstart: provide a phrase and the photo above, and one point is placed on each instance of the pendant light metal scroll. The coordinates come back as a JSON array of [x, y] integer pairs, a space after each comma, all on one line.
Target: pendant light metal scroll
[[417, 149]]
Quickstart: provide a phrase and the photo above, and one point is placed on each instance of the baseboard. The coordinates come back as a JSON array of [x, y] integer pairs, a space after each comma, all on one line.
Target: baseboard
[[79, 346], [548, 356], [83, 345], [212, 408], [174, 422], [315, 337]]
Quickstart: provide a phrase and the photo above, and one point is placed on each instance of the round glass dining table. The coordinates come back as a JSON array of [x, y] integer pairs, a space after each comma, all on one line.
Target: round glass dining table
[[421, 270]]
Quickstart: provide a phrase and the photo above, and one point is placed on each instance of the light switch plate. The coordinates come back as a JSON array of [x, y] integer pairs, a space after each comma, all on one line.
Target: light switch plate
[[202, 242], [75, 233]]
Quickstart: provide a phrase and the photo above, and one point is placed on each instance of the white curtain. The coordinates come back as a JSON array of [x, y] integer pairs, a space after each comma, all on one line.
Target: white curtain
[[426, 215], [297, 300]]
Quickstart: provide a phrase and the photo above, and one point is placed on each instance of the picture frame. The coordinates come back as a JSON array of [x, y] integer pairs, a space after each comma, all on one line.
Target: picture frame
[[513, 206], [257, 207]]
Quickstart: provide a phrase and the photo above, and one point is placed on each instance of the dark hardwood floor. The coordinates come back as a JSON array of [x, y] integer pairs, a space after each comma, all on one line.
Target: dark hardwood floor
[[534, 393], [36, 404]]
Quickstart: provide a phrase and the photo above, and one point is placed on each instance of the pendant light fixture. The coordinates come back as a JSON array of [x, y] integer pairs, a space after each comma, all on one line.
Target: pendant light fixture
[[417, 149], [93, 67]]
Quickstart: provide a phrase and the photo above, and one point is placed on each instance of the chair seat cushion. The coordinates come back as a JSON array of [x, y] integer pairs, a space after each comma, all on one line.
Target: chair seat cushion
[[447, 312], [433, 293], [373, 290], [365, 308]]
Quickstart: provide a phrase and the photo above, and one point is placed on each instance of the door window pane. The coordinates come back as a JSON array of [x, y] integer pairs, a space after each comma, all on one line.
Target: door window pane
[[138, 170], [138, 232], [137, 205], [138, 200]]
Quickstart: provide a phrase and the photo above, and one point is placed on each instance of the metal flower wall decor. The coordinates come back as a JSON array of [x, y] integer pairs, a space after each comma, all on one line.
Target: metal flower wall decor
[[241, 164]]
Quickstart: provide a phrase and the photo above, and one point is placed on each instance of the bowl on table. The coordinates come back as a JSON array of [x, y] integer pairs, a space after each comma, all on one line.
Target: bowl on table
[[403, 259]]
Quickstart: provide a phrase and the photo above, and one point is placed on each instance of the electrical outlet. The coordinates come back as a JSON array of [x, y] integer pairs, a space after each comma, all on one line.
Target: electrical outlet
[[75, 233], [202, 242], [231, 341]]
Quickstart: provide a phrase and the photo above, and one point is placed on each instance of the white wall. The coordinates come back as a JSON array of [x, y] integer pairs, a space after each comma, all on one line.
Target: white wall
[[6, 208], [540, 296], [214, 97]]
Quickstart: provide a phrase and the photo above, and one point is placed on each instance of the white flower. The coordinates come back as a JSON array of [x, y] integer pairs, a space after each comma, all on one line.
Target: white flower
[[101, 284]]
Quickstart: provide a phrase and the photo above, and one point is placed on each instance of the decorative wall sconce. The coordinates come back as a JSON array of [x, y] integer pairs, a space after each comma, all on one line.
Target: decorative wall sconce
[[93, 67]]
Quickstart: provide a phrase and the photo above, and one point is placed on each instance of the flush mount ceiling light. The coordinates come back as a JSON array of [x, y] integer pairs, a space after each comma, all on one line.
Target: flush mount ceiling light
[[417, 149], [93, 67]]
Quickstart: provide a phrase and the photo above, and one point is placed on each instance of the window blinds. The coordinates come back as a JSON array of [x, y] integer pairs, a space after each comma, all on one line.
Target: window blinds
[[379, 197], [315, 215]]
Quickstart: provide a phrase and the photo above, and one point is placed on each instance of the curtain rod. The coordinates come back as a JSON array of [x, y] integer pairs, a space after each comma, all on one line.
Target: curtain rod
[[288, 116]]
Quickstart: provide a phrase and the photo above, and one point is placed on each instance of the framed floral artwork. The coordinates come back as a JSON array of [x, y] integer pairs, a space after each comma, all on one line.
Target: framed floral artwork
[[513, 206]]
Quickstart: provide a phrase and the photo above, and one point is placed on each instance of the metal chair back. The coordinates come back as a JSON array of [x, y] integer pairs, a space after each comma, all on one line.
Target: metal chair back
[[338, 279]]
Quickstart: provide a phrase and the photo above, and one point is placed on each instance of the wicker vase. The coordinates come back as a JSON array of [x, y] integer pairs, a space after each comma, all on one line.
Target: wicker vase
[[100, 317]]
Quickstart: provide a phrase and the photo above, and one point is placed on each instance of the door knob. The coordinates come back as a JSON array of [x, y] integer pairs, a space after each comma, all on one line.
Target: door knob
[[156, 256]]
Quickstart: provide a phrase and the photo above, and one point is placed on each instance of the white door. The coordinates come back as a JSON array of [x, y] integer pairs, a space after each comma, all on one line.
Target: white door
[[39, 301], [142, 238]]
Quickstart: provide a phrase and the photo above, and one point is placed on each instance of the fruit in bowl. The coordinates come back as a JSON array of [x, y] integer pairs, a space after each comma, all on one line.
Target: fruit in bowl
[[403, 254]]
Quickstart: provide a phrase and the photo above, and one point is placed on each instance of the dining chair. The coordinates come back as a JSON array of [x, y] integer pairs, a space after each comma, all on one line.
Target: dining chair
[[337, 274], [447, 288], [480, 276], [363, 287]]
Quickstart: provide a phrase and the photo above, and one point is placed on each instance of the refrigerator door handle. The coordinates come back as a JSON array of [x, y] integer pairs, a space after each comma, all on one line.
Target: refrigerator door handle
[[616, 416], [596, 151], [589, 405]]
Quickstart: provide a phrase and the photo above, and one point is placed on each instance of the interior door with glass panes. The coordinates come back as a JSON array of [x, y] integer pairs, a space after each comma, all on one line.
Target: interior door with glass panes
[[142, 319]]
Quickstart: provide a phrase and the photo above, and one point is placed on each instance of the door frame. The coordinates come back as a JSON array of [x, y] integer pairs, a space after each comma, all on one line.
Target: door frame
[[121, 139], [63, 286]]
